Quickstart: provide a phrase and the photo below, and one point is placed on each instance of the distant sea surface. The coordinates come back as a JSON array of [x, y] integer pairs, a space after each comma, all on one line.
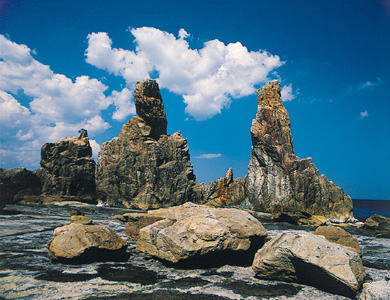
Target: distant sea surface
[[362, 209]]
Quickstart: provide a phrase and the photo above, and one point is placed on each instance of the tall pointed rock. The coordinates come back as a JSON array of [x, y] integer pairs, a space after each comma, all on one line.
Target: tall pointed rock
[[277, 180], [144, 167]]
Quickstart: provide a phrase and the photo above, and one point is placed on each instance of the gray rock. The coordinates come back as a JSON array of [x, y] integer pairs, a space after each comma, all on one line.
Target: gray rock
[[310, 259], [79, 243], [378, 290], [277, 180], [67, 168], [191, 230], [17, 185]]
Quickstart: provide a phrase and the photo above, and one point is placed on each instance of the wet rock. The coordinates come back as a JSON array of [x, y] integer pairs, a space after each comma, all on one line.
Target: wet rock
[[263, 290], [86, 243], [67, 168], [193, 230], [18, 185], [128, 273], [339, 236], [380, 224], [378, 290], [277, 180], [310, 259], [145, 168]]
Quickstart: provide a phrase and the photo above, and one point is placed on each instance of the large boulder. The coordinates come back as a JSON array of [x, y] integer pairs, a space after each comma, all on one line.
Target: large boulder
[[310, 259], [339, 236], [86, 243], [380, 224], [143, 167], [17, 185], [277, 180], [190, 230], [67, 168]]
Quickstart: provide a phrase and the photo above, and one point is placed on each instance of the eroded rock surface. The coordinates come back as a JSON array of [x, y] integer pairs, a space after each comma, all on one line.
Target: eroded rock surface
[[339, 236], [377, 290], [76, 242], [279, 181], [67, 168], [193, 230], [310, 259], [145, 168], [380, 224]]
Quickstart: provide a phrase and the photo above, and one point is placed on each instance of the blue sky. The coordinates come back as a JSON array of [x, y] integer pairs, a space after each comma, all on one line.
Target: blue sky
[[71, 64]]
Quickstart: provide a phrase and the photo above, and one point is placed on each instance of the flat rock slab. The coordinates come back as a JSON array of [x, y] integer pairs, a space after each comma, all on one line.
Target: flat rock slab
[[193, 230], [310, 259], [377, 290], [79, 243]]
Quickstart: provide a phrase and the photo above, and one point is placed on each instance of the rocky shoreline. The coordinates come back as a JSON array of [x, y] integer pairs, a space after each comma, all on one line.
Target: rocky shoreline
[[191, 231]]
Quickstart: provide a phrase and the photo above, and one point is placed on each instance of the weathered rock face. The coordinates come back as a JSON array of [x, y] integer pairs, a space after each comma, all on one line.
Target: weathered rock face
[[145, 168], [310, 259], [191, 230], [79, 243], [225, 191], [279, 181], [339, 236], [67, 168], [380, 224], [17, 185]]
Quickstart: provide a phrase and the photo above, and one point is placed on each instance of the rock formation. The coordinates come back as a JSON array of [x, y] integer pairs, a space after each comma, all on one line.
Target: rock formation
[[310, 259], [279, 181], [17, 185], [377, 290], [67, 168], [86, 243], [380, 224], [190, 230], [144, 167], [339, 236]]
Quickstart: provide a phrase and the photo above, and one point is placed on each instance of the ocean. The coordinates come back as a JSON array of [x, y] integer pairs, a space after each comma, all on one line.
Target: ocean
[[362, 209]]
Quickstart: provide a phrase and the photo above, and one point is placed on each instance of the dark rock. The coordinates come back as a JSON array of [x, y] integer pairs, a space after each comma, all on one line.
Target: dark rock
[[145, 168], [67, 168], [380, 224], [17, 185], [277, 180], [339, 236], [150, 107]]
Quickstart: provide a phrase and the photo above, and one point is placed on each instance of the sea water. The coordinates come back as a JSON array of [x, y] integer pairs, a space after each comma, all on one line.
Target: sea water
[[362, 209]]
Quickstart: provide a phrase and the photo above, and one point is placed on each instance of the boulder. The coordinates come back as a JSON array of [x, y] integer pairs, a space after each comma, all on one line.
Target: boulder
[[277, 180], [191, 231], [380, 224], [17, 185], [80, 219], [339, 236], [377, 290], [310, 259], [143, 167], [67, 168], [86, 243]]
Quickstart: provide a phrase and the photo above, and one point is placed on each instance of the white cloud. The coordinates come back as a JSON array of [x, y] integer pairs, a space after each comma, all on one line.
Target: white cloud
[[363, 114], [58, 107], [369, 84], [287, 93], [208, 78], [209, 155]]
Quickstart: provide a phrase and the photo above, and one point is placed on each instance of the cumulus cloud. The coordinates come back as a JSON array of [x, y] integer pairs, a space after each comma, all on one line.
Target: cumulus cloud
[[287, 93], [57, 106], [209, 155], [208, 78]]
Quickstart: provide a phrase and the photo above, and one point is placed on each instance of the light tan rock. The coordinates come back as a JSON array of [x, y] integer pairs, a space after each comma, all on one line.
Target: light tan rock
[[191, 230], [310, 259], [339, 236], [79, 219], [377, 290], [86, 242]]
